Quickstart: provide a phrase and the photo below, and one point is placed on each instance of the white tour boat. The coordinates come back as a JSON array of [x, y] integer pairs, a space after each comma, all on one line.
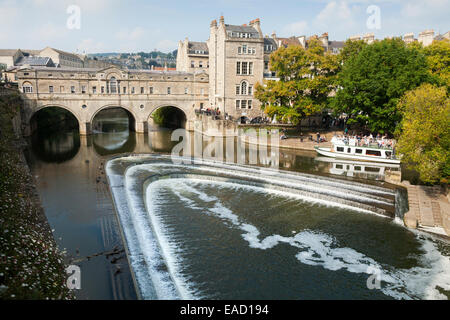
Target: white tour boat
[[352, 151]]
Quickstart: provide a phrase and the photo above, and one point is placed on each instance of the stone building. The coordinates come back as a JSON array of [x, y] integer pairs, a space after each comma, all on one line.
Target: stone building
[[236, 60], [62, 58], [86, 91], [9, 57], [192, 56]]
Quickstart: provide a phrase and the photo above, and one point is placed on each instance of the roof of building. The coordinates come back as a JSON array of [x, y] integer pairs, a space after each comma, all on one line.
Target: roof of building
[[30, 52], [70, 69], [270, 41], [244, 29], [336, 44], [194, 46], [8, 52], [73, 55], [291, 41], [35, 61], [163, 68]]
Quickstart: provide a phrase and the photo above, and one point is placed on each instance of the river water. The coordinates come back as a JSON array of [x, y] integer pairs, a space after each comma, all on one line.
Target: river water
[[315, 230]]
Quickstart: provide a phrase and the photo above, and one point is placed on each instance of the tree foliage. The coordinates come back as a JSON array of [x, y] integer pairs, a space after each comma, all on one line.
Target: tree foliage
[[424, 137], [438, 58], [307, 77], [372, 82]]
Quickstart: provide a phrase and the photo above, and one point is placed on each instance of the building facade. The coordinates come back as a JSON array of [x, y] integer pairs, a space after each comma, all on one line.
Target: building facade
[[84, 92]]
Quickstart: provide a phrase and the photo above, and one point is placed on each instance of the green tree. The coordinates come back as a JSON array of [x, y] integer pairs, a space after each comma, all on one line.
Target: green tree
[[424, 135], [307, 78], [438, 58], [351, 48], [372, 82]]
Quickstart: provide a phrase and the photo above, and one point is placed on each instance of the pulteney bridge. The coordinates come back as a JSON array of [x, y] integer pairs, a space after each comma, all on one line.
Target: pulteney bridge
[[86, 92]]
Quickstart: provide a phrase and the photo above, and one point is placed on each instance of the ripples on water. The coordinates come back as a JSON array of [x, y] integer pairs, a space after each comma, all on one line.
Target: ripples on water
[[226, 240], [216, 239]]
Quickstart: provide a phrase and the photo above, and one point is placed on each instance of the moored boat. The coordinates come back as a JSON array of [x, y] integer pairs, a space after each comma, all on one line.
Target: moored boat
[[352, 151]]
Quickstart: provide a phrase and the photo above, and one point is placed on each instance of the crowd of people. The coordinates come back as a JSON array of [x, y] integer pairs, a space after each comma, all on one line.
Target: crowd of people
[[364, 141]]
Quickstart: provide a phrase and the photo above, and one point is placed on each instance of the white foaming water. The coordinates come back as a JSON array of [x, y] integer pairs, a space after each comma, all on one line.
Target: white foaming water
[[317, 248]]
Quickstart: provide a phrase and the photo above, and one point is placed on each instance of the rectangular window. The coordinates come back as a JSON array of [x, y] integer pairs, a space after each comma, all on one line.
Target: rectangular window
[[243, 104], [239, 50], [94, 90], [244, 49], [249, 104], [250, 90], [27, 89], [83, 89], [150, 90], [168, 90], [238, 87], [238, 105], [200, 64], [250, 68], [238, 68], [50, 89], [201, 105], [192, 64], [142, 90], [340, 149], [266, 65], [102, 90], [244, 68], [72, 89], [358, 151], [124, 90], [373, 153], [132, 90]]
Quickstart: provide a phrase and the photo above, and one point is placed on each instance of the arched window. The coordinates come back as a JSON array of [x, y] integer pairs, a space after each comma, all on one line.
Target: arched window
[[113, 85], [27, 87], [244, 87]]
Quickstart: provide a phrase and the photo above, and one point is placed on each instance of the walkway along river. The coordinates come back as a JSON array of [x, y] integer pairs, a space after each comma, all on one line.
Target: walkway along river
[[224, 239]]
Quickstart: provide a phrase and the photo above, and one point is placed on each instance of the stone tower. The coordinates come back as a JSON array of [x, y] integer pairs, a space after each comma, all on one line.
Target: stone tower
[[236, 60]]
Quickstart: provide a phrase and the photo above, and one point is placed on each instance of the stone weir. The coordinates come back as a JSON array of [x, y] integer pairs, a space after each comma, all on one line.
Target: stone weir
[[129, 177]]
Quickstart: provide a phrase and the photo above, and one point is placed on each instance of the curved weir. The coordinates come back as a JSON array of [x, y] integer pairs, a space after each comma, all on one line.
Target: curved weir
[[204, 229]]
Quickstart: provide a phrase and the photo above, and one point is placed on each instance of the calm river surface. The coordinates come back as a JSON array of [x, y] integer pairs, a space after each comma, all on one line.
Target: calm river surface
[[226, 241]]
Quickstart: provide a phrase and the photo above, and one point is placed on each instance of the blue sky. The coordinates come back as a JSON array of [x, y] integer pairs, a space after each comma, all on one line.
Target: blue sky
[[144, 25]]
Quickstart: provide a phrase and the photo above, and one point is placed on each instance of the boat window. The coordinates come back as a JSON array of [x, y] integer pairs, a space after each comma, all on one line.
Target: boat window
[[357, 168], [388, 154], [339, 166], [358, 150], [373, 153], [349, 150], [372, 169], [340, 149]]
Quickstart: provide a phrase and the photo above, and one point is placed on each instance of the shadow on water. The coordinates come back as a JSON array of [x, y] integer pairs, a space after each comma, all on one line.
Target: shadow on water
[[55, 146]]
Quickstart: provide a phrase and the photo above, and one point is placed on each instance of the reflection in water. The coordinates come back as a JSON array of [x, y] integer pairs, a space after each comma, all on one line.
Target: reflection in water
[[55, 146], [358, 169]]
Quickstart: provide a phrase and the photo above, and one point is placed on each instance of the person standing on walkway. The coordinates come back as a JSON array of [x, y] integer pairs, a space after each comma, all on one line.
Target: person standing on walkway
[[318, 137]]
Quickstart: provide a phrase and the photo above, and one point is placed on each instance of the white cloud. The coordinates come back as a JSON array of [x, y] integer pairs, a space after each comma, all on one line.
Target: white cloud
[[297, 28], [133, 35], [89, 6], [166, 45], [338, 14], [49, 31], [421, 8], [90, 46]]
